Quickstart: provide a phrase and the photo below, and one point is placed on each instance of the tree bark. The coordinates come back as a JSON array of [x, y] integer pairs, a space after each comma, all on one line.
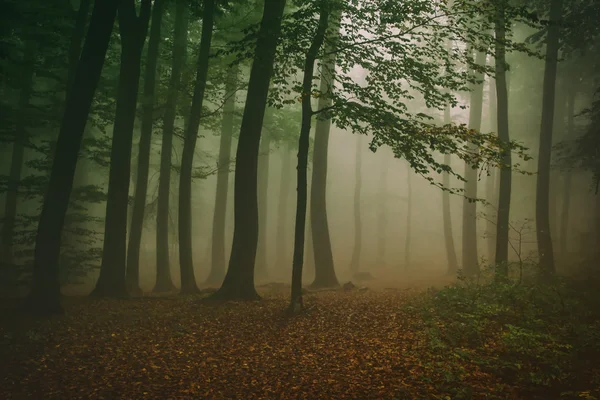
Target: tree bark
[[470, 258], [355, 261], [446, 214], [303, 146], [163, 280], [18, 152], [76, 40], [503, 217], [133, 31], [262, 266], [45, 294], [490, 182], [217, 270], [166, 150], [282, 207], [382, 213], [239, 280], [188, 278], [323, 255], [544, 237], [566, 202], [407, 239]]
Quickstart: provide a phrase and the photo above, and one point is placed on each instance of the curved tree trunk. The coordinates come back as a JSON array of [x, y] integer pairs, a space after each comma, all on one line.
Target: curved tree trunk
[[239, 280], [324, 269], [45, 294], [186, 264], [470, 259], [446, 214], [166, 150], [303, 146], [282, 207], [133, 30], [355, 262], [542, 212], [217, 266], [132, 276]]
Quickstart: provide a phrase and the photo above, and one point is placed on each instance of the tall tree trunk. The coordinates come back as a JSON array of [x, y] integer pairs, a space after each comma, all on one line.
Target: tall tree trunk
[[45, 294], [566, 202], [133, 30], [324, 269], [217, 268], [303, 146], [163, 281], [382, 213], [407, 239], [76, 40], [355, 262], [282, 206], [186, 264], [542, 217], [446, 214], [18, 152], [469, 237], [262, 267], [239, 280], [503, 217], [166, 149], [490, 182]]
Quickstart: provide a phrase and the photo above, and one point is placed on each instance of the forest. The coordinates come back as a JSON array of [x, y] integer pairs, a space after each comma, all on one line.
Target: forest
[[301, 199]]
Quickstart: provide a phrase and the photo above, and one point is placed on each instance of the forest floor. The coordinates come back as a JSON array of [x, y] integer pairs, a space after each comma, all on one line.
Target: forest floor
[[358, 344]]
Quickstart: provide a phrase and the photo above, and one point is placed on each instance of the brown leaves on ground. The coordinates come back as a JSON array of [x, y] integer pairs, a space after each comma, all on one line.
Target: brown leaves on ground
[[354, 345]]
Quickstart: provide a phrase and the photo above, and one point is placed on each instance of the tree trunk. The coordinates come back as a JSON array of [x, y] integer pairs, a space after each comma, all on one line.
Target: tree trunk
[[490, 182], [503, 217], [409, 174], [188, 278], [18, 152], [303, 146], [262, 267], [355, 262], [133, 30], [324, 269], [282, 207], [217, 269], [45, 294], [76, 41], [239, 280], [166, 149], [382, 213], [446, 214], [542, 217], [163, 281], [469, 237], [566, 202]]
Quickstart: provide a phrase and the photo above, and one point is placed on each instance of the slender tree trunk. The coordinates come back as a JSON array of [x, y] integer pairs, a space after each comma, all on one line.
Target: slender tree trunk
[[282, 207], [566, 202], [133, 30], [544, 238], [166, 151], [382, 213], [324, 268], [77, 40], [503, 217], [490, 182], [407, 239], [262, 267], [446, 214], [217, 269], [18, 152], [470, 258], [303, 146], [188, 278], [45, 294], [163, 281], [355, 262], [239, 280]]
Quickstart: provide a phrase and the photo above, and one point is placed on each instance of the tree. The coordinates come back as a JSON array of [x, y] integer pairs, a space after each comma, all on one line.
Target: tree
[[446, 215], [355, 261], [281, 241], [239, 280], [382, 213], [568, 178], [217, 266], [163, 281], [188, 279], [502, 222], [164, 179], [262, 267], [133, 30], [45, 294], [491, 182], [542, 211], [409, 202], [303, 146]]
